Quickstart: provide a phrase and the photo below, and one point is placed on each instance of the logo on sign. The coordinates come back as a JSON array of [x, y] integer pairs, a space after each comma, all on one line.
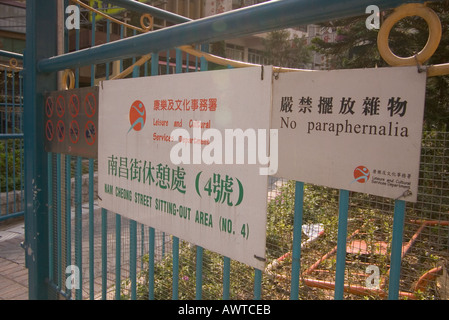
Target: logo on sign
[[137, 116], [361, 174]]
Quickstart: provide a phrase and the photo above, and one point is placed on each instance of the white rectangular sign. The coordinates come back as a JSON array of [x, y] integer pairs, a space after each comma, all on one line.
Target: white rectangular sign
[[358, 130], [189, 182]]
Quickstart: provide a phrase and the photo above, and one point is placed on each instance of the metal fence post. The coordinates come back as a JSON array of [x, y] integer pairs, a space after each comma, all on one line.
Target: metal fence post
[[396, 249], [297, 236], [41, 17], [341, 244]]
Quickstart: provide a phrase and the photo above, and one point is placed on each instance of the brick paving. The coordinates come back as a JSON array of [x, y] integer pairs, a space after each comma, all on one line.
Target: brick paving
[[13, 273]]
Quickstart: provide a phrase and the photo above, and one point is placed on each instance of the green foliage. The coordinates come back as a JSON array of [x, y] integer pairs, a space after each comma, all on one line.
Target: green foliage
[[11, 163], [433, 179], [356, 47], [283, 51], [372, 216], [212, 269], [280, 221]]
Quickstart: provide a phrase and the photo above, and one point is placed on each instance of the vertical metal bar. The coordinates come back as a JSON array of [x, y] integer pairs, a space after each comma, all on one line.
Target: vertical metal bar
[[104, 213], [199, 273], [78, 227], [133, 231], [175, 284], [5, 88], [58, 221], [133, 257], [341, 244], [13, 115], [50, 217], [108, 39], [91, 190], [199, 250], [226, 260], [6, 141], [68, 217], [167, 65], [142, 245], [396, 250], [91, 230], [257, 284], [62, 222], [163, 245], [66, 31], [175, 293], [77, 48], [151, 239], [52, 227], [65, 172], [122, 35], [63, 188], [118, 252], [1, 186], [297, 238], [178, 61], [21, 144], [104, 252], [92, 66], [40, 29], [78, 197], [226, 278]]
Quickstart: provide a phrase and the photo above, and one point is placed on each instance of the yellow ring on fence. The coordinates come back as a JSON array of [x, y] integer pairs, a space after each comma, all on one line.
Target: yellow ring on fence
[[150, 19], [407, 10], [68, 74], [13, 63]]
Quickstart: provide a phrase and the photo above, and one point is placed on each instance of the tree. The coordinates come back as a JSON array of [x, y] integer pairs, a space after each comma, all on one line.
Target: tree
[[356, 47], [283, 51]]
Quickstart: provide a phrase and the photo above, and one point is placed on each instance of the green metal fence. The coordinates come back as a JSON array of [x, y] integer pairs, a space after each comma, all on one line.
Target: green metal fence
[[320, 242], [11, 136]]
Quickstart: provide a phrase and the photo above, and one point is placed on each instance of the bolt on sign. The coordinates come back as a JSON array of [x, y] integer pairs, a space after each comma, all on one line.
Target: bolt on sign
[[71, 122], [179, 153], [358, 130]]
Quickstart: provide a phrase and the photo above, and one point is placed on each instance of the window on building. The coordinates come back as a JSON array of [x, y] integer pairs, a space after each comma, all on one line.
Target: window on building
[[234, 52], [256, 56], [11, 44]]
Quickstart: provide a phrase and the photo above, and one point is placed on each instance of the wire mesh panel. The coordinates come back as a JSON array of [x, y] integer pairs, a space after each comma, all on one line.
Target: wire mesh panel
[[425, 242], [11, 139]]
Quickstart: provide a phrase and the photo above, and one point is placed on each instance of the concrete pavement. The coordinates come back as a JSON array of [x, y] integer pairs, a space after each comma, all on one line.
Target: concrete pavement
[[13, 273]]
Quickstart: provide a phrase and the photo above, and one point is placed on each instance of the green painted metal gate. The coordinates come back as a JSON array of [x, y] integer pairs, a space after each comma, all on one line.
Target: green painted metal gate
[[11, 136], [77, 250]]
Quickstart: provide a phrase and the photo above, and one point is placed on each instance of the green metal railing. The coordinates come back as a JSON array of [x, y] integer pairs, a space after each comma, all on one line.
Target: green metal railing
[[11, 136], [61, 231]]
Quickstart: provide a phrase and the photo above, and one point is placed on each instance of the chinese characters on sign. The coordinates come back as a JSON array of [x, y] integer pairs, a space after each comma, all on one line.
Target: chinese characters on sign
[[370, 105], [219, 206], [358, 130], [186, 104]]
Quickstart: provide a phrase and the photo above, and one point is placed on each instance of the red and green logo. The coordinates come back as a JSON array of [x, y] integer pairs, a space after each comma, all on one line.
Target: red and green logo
[[137, 116]]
